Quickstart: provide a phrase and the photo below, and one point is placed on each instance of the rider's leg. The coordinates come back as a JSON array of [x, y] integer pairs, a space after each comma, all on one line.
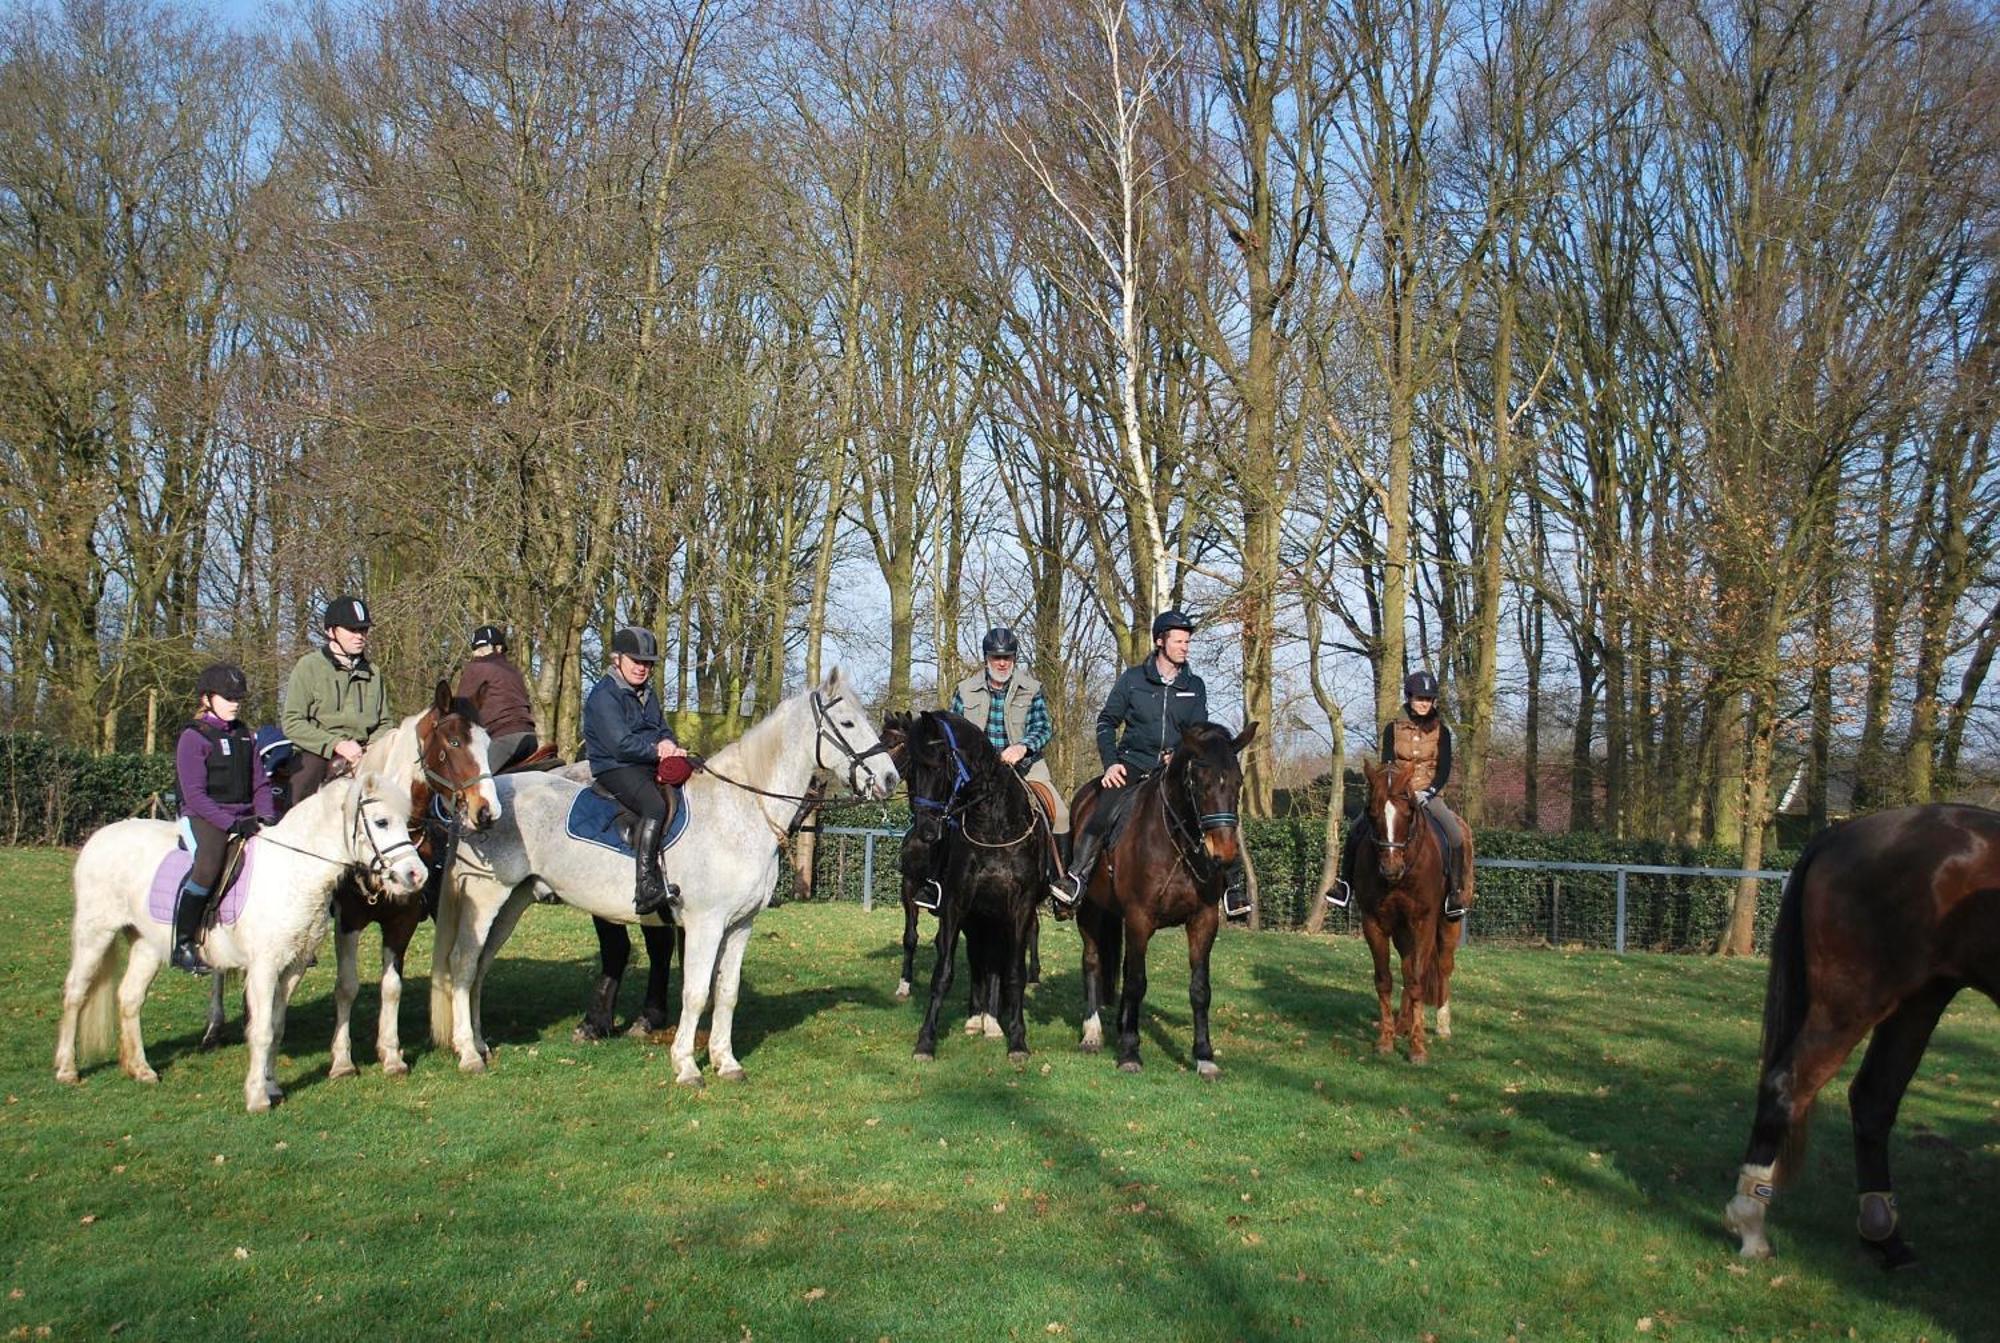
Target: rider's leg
[[1087, 844], [1343, 886], [308, 773], [633, 785], [1454, 859], [191, 901], [503, 752]]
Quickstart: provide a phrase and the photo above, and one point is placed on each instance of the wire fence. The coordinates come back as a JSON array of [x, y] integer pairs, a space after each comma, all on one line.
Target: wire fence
[[1520, 901]]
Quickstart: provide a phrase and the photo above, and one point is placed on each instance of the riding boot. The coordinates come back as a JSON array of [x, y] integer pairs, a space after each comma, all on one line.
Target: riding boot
[[1454, 886], [1342, 891], [652, 892], [1068, 887], [927, 894], [190, 906], [1236, 893]]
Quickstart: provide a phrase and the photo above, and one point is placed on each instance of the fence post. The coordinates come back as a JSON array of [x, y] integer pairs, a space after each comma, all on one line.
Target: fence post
[[868, 874], [1621, 911], [1555, 910]]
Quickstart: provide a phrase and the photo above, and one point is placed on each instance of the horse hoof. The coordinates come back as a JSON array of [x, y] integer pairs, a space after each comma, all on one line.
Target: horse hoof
[[974, 1025], [586, 1034], [924, 1056], [395, 1068], [344, 1068], [695, 1082], [1420, 1060], [67, 1076], [902, 990], [258, 1104], [1207, 1070], [1017, 1056], [475, 1064], [1893, 1254], [145, 1075], [1131, 1066], [1384, 1048], [733, 1075], [993, 1031], [209, 1042]]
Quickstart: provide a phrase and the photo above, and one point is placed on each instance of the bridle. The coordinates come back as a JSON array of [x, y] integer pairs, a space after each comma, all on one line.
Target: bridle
[[1189, 842], [822, 721], [383, 856], [952, 812]]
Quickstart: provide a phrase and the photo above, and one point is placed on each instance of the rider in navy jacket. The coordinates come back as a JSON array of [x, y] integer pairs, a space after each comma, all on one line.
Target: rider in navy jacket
[[625, 737]]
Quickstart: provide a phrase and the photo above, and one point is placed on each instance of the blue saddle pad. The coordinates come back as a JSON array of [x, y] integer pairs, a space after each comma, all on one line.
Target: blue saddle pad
[[593, 818]]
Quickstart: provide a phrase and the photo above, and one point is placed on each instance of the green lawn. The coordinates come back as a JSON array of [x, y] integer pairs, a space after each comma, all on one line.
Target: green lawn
[[1558, 1172]]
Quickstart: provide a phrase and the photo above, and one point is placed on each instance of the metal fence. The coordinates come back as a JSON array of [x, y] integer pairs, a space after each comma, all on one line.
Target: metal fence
[[1522, 902]]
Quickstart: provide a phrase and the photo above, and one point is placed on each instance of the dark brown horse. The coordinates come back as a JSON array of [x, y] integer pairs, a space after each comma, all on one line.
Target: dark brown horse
[[1165, 867], [448, 789], [1399, 885], [1884, 919]]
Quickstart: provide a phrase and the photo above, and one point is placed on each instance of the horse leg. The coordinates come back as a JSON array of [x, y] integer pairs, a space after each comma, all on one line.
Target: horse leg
[[468, 947], [977, 998], [1201, 939], [143, 964], [87, 985], [704, 944], [614, 953], [1137, 933], [260, 991], [1873, 1099], [1450, 931], [510, 913], [288, 984], [941, 972], [660, 939], [1014, 985], [218, 1013], [722, 1025], [1416, 976], [346, 987], [909, 940], [1786, 1088], [1102, 936], [396, 935], [1377, 938], [1034, 948]]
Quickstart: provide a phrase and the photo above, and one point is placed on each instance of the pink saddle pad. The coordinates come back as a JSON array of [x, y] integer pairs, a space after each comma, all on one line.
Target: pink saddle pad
[[167, 884]]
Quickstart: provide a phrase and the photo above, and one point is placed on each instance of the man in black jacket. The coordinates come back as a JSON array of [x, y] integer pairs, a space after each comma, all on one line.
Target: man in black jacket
[[1150, 705], [625, 736]]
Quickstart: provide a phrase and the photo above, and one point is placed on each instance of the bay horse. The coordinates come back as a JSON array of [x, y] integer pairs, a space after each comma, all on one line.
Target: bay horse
[[1165, 867], [292, 868], [994, 840], [1883, 920], [1399, 886], [441, 756], [740, 802]]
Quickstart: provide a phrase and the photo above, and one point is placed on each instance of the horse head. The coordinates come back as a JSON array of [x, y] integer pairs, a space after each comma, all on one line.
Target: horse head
[[1393, 810], [377, 814], [451, 759], [1205, 773], [846, 743]]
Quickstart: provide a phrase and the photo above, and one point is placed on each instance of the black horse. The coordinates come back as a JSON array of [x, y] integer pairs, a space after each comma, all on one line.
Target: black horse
[[1884, 919], [993, 859]]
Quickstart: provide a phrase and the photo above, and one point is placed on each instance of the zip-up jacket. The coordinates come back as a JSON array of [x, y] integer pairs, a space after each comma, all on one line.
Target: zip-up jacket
[[1153, 714], [1425, 746], [507, 709], [622, 724], [326, 703]]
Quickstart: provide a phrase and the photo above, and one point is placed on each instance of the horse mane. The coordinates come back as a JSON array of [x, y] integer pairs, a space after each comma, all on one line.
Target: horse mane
[[754, 754], [380, 754]]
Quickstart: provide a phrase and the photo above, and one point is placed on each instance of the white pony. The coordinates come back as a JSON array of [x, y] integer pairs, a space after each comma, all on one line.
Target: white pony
[[726, 865], [346, 825]]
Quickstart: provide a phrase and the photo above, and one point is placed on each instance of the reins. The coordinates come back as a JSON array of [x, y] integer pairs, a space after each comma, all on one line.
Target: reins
[[951, 813]]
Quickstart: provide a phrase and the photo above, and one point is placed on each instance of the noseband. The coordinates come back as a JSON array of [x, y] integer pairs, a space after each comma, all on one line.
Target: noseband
[[383, 859]]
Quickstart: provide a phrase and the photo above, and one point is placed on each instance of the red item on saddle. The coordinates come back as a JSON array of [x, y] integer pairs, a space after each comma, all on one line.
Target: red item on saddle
[[674, 771]]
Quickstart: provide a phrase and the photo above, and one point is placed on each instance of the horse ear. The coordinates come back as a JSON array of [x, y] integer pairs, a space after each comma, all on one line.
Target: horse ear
[[1243, 738], [441, 701]]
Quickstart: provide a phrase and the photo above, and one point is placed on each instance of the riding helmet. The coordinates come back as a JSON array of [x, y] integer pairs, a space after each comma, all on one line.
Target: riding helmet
[[1420, 685], [225, 679], [1000, 642], [346, 613], [636, 643], [1171, 620], [489, 636]]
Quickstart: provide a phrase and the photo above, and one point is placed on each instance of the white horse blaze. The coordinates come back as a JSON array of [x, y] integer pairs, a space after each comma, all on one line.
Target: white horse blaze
[[1389, 822]]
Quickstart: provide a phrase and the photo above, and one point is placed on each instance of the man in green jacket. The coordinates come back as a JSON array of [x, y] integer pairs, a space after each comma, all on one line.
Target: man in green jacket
[[336, 702]]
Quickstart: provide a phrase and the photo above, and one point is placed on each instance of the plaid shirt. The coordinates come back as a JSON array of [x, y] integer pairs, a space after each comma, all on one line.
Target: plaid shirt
[[1040, 729]]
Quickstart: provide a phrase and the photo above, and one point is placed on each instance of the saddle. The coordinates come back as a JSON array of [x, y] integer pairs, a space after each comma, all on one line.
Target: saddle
[[1045, 798]]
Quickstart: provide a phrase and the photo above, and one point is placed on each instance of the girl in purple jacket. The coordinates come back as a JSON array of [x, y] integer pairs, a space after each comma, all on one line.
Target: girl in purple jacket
[[224, 792]]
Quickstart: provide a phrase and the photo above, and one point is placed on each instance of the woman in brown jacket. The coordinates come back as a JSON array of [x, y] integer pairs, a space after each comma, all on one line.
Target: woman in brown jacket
[[499, 690]]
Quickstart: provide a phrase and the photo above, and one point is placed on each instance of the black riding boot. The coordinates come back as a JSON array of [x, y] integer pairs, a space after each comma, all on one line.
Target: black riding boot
[[1236, 893], [1342, 891], [190, 906], [1454, 885], [1069, 886], [652, 892]]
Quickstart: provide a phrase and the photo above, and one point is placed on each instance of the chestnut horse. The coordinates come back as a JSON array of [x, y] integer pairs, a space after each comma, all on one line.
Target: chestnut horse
[[1884, 919], [1399, 885], [1164, 867]]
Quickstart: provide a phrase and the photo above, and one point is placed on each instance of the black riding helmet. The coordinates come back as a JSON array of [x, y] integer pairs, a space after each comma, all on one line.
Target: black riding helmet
[[636, 643], [489, 636], [1166, 621], [222, 678], [346, 613], [1000, 642], [1420, 685]]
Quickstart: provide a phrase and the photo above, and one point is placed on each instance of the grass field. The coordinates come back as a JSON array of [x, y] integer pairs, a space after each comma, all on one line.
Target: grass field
[[1557, 1173]]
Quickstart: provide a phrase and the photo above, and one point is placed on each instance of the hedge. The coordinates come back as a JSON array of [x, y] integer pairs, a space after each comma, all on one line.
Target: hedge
[[56, 794]]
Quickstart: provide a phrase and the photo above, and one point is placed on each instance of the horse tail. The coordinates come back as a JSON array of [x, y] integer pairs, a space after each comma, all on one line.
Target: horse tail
[[1788, 997], [97, 1024], [450, 910]]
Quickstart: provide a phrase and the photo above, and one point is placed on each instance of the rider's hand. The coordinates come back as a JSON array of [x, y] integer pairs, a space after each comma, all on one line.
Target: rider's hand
[[350, 751], [1115, 776], [668, 749], [246, 827], [1014, 754]]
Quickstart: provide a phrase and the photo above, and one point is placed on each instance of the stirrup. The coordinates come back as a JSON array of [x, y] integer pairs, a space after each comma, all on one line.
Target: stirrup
[[1066, 892], [928, 894], [1231, 908], [1340, 894], [669, 901], [1453, 910], [186, 956]]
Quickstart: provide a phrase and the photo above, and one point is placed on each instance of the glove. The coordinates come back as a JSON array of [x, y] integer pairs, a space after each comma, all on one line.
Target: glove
[[1424, 797], [246, 827]]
